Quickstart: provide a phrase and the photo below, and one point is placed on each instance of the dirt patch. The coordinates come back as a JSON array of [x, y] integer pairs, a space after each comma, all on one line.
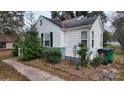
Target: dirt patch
[[5, 54], [67, 70], [8, 73], [43, 65]]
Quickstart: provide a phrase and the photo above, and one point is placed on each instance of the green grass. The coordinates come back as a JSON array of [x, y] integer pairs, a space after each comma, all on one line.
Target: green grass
[[118, 62]]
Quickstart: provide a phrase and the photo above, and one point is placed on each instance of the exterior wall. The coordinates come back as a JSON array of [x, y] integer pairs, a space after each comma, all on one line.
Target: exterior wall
[[72, 38], [9, 45], [48, 27], [98, 37]]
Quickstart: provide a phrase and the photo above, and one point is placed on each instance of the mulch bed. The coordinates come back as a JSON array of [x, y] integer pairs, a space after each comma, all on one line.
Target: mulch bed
[[88, 73], [67, 70]]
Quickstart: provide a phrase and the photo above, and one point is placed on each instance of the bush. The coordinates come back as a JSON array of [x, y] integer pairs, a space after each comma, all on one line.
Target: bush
[[52, 54], [16, 46], [45, 52], [15, 49], [78, 66], [83, 53], [98, 60], [31, 46]]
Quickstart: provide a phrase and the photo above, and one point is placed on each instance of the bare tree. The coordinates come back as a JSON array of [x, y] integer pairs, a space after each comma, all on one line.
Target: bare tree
[[30, 19], [118, 25]]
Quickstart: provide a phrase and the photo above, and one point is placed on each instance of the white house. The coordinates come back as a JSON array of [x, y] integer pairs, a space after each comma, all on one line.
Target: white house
[[67, 34]]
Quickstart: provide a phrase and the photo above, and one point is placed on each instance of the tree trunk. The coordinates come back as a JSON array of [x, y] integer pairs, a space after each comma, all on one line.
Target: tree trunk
[[122, 49]]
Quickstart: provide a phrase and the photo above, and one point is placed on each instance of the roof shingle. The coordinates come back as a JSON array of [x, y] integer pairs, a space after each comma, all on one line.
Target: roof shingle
[[74, 22]]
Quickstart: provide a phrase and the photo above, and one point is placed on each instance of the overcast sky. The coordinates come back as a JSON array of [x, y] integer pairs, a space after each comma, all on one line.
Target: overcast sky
[[44, 13], [47, 14]]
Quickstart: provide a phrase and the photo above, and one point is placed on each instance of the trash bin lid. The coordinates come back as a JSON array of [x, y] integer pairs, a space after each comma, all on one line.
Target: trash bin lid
[[106, 51]]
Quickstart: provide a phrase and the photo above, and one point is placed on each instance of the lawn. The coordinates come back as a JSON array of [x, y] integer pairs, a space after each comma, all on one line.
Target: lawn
[[8, 73], [67, 70], [119, 62]]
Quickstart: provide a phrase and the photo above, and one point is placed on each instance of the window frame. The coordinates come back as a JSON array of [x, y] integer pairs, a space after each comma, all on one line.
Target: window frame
[[82, 39], [46, 40], [3, 45]]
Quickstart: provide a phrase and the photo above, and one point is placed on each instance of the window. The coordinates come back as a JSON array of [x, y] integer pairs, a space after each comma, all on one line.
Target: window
[[92, 39], [2, 45], [40, 22], [101, 40], [84, 37], [46, 40]]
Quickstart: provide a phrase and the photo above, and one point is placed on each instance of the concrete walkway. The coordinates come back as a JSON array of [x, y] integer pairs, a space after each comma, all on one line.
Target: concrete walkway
[[33, 74]]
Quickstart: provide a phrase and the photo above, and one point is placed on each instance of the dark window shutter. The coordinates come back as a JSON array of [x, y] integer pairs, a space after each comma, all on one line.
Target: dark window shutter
[[40, 22], [42, 38], [51, 39]]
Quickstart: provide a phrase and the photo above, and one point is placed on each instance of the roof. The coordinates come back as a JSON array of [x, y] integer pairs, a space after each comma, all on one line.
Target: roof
[[74, 22], [6, 38], [53, 21]]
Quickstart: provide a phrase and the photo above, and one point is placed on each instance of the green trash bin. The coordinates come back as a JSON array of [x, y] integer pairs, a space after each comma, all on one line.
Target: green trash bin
[[108, 54]]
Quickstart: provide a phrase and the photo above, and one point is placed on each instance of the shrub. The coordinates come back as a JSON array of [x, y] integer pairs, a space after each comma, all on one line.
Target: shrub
[[31, 46], [45, 52], [16, 46], [15, 49], [83, 53], [78, 66], [98, 60], [52, 54]]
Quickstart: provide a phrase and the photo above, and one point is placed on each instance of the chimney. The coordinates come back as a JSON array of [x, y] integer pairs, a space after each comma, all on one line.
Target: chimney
[[66, 15]]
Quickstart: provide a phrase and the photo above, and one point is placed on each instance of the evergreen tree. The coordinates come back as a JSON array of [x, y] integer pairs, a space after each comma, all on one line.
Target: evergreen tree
[[58, 15], [31, 45], [55, 15], [81, 13], [97, 13], [11, 21]]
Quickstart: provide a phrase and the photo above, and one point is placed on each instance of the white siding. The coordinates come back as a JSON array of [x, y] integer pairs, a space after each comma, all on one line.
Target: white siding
[[98, 36], [72, 38], [48, 27], [9, 45]]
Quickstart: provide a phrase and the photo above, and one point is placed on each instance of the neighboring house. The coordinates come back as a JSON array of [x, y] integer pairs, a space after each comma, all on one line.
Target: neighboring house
[[67, 34], [6, 42]]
